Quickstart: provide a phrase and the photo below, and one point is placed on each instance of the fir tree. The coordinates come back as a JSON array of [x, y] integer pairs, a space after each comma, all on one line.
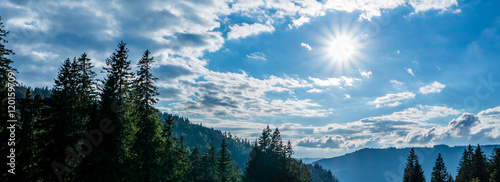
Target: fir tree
[[465, 165], [111, 159], [226, 168], [210, 164], [197, 168], [413, 171], [478, 163], [439, 173], [148, 136]]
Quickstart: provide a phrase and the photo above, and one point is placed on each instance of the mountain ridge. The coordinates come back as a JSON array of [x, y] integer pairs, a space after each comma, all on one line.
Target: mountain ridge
[[388, 164]]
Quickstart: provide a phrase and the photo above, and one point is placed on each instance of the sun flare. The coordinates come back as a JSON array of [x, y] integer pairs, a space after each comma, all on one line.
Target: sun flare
[[342, 48]]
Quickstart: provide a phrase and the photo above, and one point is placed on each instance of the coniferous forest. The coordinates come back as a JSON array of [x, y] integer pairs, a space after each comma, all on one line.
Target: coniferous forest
[[85, 129]]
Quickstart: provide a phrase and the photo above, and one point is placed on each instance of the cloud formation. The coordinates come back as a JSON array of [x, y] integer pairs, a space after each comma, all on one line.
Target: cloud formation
[[392, 100], [409, 127], [257, 55], [245, 30], [435, 87], [306, 46]]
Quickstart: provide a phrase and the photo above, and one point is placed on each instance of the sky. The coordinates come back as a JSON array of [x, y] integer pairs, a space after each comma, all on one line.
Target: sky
[[334, 76]]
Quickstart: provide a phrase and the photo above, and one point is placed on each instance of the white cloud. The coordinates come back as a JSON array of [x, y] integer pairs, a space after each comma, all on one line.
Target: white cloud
[[409, 127], [338, 82], [314, 90], [410, 71], [397, 82], [425, 5], [435, 87], [392, 99], [257, 55], [366, 74], [245, 30], [306, 46], [347, 96]]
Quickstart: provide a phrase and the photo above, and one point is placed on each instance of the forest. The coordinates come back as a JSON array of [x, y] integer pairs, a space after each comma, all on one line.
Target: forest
[[84, 129], [474, 166]]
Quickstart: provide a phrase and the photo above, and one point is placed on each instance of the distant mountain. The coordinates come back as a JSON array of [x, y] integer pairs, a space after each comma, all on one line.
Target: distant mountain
[[388, 164], [310, 160]]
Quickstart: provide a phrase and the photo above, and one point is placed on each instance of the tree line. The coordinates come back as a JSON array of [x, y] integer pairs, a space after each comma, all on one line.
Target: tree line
[[474, 166], [109, 130]]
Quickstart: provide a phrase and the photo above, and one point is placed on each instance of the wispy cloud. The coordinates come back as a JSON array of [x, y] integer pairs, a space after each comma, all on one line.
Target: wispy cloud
[[410, 71], [435, 87], [392, 100], [397, 82], [245, 30], [314, 90], [306, 46], [257, 55], [338, 82], [366, 74]]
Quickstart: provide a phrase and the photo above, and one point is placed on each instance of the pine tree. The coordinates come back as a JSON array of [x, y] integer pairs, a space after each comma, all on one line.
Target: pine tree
[[494, 166], [465, 165], [197, 168], [226, 168], [111, 159], [210, 162], [413, 171], [148, 137], [478, 161], [439, 173]]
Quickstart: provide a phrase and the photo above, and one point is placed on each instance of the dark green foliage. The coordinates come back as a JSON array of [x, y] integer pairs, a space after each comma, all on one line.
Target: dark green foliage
[[5, 68], [473, 166], [175, 162], [413, 170], [148, 137], [110, 160], [494, 166], [318, 174], [479, 164], [227, 170], [439, 173], [268, 163], [465, 164]]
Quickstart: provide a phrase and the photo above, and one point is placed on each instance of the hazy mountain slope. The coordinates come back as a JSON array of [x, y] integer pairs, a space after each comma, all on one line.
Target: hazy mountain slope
[[388, 164]]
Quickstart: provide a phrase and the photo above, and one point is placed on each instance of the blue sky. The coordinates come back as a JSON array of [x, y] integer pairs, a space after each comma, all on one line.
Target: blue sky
[[334, 76]]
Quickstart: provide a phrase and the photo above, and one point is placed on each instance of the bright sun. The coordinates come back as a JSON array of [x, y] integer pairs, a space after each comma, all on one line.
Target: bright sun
[[343, 48]]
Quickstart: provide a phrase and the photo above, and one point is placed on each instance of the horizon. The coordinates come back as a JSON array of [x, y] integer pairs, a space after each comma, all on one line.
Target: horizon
[[334, 78]]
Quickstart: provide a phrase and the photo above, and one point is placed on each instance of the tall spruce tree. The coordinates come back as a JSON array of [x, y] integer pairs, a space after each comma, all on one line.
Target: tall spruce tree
[[413, 171], [465, 166], [226, 168], [479, 165], [148, 136], [439, 173], [111, 159], [197, 167]]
